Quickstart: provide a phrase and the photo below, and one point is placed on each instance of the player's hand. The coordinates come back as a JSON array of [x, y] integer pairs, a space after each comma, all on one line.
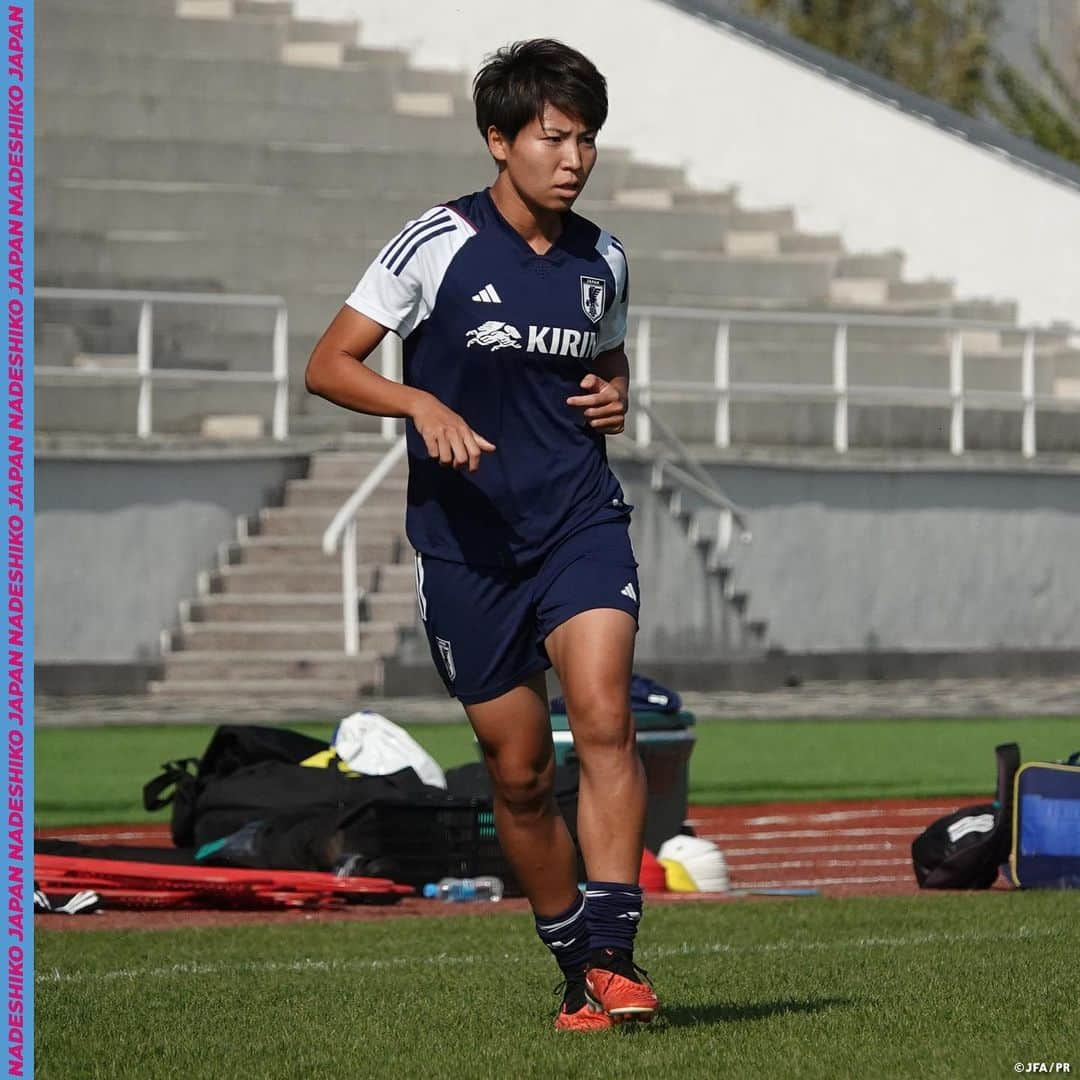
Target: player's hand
[[447, 437], [603, 404]]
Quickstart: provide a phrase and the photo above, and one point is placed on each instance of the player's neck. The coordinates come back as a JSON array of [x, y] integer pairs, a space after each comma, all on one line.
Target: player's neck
[[539, 228]]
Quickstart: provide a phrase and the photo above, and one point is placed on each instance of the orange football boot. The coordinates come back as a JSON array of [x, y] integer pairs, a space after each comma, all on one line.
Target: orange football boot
[[613, 983], [576, 1012]]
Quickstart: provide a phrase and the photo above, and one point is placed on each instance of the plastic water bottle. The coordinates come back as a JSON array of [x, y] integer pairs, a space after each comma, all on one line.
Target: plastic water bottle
[[454, 890]]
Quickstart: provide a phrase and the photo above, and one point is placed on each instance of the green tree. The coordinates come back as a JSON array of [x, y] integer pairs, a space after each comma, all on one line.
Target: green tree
[[1023, 109], [940, 48]]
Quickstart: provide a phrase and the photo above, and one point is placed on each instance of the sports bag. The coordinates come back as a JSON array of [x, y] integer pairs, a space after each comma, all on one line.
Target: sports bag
[[1046, 825], [964, 850]]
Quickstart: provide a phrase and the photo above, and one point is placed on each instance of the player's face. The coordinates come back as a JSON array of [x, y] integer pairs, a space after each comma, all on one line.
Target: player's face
[[549, 160]]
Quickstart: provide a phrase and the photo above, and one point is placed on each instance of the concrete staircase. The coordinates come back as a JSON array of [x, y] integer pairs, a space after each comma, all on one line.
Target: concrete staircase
[[267, 622], [226, 145]]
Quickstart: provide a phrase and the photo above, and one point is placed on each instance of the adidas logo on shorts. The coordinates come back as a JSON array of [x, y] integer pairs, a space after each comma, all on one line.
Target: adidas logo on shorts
[[628, 590]]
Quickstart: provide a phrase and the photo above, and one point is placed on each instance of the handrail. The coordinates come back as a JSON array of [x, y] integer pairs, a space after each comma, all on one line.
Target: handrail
[[342, 529], [144, 367], [956, 397], [691, 475]]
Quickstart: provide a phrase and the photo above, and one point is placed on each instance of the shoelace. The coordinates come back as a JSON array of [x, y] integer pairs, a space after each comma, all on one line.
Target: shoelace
[[622, 963], [562, 988]]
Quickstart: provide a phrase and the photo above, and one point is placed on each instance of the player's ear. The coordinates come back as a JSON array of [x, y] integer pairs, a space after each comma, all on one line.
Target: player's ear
[[498, 144]]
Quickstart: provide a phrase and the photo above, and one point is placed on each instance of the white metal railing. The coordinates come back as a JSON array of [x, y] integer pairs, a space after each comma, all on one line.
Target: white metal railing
[[144, 372], [689, 475], [723, 390], [343, 530]]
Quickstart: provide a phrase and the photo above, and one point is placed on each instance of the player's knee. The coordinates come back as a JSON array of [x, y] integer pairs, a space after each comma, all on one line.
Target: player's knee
[[602, 729], [523, 788]]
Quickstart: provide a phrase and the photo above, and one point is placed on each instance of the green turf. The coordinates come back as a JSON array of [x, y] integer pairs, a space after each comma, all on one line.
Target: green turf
[[936, 986], [88, 775]]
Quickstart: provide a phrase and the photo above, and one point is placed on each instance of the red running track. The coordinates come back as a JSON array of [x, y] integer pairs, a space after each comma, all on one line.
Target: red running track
[[853, 848], [839, 848]]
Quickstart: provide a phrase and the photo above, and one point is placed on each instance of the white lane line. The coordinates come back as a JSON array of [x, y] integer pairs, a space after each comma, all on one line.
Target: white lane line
[[738, 883], [320, 967], [741, 867], [85, 837], [795, 834], [850, 815], [807, 849]]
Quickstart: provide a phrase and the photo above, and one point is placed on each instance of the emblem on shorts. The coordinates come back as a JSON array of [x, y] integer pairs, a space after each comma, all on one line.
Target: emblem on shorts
[[498, 335], [592, 297], [629, 590], [447, 655]]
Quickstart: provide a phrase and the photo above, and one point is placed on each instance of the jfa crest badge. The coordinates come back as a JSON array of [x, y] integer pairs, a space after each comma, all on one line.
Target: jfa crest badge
[[592, 297]]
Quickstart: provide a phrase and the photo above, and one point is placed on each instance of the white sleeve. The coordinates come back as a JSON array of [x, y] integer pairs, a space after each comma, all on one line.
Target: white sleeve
[[612, 329], [398, 289]]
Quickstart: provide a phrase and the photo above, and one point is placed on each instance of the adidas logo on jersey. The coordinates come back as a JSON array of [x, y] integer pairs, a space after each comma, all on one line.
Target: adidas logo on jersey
[[549, 340], [487, 295]]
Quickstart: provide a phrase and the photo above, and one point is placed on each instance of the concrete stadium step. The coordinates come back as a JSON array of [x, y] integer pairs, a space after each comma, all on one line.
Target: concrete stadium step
[[687, 278], [244, 38], [306, 167], [259, 579], [81, 206], [311, 493], [372, 121], [254, 82], [644, 230], [379, 638], [301, 692], [335, 666], [714, 280], [280, 607], [312, 521], [297, 551], [794, 243], [158, 9], [274, 608], [108, 403], [885, 264], [349, 466]]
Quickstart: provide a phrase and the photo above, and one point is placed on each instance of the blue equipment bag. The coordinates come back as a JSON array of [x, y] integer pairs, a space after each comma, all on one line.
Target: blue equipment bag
[[1046, 825]]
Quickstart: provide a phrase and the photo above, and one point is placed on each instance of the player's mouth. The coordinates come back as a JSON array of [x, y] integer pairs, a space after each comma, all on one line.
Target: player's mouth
[[568, 191]]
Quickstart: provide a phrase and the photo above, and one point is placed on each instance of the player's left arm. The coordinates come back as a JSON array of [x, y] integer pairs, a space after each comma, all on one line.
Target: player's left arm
[[607, 392]]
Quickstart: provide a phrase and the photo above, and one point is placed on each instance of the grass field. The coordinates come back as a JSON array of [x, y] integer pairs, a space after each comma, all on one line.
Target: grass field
[[942, 986], [93, 775]]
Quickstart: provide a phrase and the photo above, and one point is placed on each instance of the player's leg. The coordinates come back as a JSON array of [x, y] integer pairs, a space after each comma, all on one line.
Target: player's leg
[[480, 625], [591, 604], [592, 653], [514, 732]]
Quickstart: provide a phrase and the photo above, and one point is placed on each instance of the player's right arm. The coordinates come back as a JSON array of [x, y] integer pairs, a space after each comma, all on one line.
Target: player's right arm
[[395, 294]]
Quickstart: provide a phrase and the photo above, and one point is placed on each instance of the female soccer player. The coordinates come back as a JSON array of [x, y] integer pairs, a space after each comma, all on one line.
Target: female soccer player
[[512, 309]]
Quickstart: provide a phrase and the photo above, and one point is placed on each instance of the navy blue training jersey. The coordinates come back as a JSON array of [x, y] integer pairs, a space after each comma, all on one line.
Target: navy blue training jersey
[[502, 336]]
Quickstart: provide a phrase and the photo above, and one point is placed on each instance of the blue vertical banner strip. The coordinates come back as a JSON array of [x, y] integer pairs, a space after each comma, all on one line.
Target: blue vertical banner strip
[[17, 846]]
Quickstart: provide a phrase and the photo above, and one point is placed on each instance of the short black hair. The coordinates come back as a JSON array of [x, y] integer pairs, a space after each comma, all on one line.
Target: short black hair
[[515, 84]]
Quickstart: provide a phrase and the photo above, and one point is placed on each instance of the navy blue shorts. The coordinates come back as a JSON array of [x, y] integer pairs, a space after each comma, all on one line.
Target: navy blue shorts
[[486, 625]]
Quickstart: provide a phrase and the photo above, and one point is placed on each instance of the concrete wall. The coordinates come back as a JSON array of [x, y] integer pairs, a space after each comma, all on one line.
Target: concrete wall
[[844, 557], [785, 134], [858, 558], [120, 541]]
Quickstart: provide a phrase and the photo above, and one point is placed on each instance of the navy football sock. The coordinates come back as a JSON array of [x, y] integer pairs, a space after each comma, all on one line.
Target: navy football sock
[[567, 936], [614, 911]]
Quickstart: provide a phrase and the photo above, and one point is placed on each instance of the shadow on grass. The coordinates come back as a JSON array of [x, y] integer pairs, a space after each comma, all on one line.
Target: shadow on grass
[[720, 1013]]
